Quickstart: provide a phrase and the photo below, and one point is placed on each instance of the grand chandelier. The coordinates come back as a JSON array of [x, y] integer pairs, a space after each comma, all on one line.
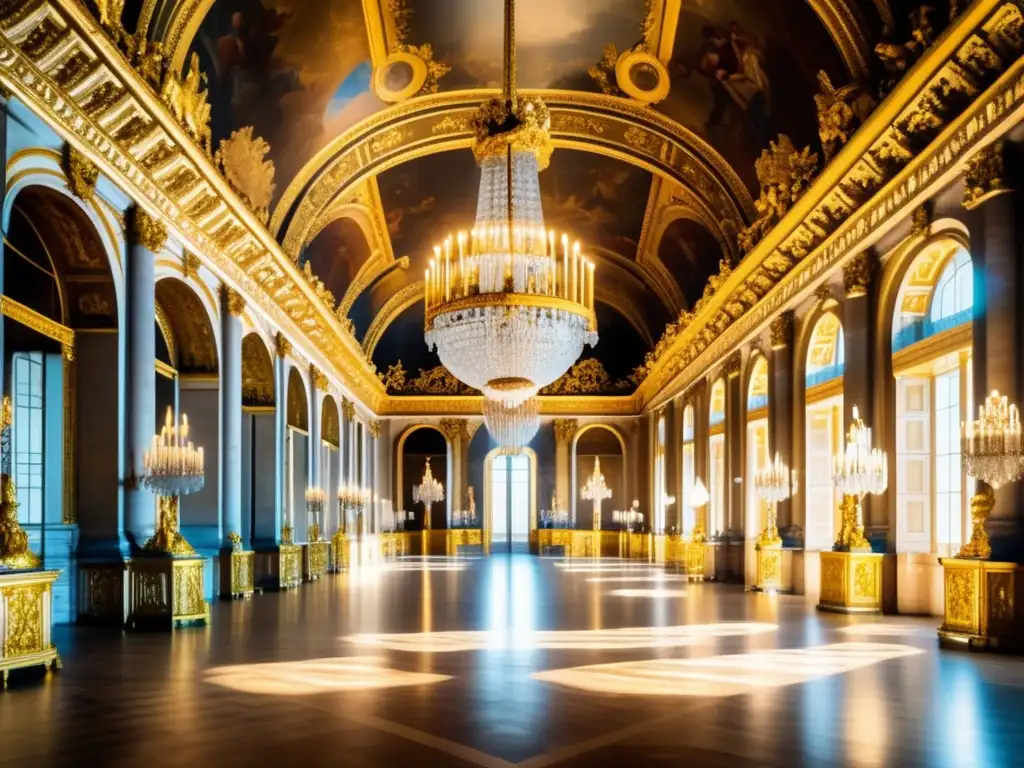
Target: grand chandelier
[[512, 426], [510, 305], [429, 490]]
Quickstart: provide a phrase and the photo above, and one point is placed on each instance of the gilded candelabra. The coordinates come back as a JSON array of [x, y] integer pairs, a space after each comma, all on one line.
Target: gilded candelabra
[[991, 450], [596, 491], [630, 518], [698, 497], [427, 492], [173, 467], [774, 483], [316, 501], [556, 517], [14, 551], [858, 471]]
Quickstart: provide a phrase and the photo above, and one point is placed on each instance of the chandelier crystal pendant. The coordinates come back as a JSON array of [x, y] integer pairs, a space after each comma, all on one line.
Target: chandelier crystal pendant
[[512, 426], [510, 305]]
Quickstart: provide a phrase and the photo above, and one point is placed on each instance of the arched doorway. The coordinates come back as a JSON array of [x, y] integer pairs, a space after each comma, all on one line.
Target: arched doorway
[[61, 371], [931, 349], [510, 507], [187, 384], [296, 453], [718, 489], [593, 444], [259, 444], [824, 429], [416, 447], [330, 462], [757, 445]]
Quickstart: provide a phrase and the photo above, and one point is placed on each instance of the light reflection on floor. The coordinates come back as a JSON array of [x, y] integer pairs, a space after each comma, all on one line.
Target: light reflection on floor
[[887, 630], [648, 593], [299, 678], [725, 675], [588, 639], [660, 577]]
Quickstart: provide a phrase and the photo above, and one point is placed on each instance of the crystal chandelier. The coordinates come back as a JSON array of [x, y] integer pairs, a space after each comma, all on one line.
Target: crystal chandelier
[[172, 467], [429, 490], [316, 501], [512, 426], [510, 306], [858, 471], [774, 483], [991, 446]]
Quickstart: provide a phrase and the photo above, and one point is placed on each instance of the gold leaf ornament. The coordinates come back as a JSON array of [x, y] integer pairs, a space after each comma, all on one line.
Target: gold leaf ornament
[[242, 160]]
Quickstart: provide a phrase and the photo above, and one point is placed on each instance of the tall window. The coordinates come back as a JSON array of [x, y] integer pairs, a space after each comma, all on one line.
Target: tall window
[[948, 504], [717, 488], [757, 444], [510, 500], [659, 479], [689, 471], [954, 291], [28, 435]]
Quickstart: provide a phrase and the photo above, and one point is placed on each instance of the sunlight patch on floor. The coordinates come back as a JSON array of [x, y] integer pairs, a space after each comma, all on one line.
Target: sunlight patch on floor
[[887, 630], [300, 678], [725, 675], [652, 593], [587, 639]]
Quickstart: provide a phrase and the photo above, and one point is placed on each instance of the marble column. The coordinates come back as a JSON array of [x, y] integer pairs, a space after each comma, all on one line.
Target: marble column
[[780, 405], [858, 377], [456, 431], [318, 389], [564, 430], [701, 429], [232, 306], [673, 464], [146, 236], [997, 243], [735, 438], [284, 348]]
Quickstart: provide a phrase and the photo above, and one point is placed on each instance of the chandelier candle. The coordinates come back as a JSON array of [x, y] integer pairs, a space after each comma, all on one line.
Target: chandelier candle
[[774, 483], [172, 467], [858, 471]]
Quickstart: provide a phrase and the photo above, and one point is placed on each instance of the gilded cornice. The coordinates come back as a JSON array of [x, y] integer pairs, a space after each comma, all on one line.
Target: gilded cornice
[[872, 184], [41, 324], [81, 83], [587, 121]]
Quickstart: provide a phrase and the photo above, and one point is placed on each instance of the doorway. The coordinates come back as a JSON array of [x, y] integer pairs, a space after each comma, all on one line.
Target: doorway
[[510, 502]]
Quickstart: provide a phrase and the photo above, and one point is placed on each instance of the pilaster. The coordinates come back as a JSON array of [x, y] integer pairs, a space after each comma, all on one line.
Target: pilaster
[[232, 307], [735, 437], [780, 403], [457, 433], [674, 464], [564, 430]]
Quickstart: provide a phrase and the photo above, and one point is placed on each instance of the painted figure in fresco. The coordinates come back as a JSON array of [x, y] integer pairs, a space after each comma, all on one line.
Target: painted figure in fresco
[[731, 61]]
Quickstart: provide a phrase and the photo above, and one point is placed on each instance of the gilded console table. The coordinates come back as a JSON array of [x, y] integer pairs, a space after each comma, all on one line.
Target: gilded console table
[[769, 568], [688, 555], [26, 621], [981, 604], [851, 582], [463, 537], [280, 568], [165, 592], [316, 557], [237, 573], [551, 538]]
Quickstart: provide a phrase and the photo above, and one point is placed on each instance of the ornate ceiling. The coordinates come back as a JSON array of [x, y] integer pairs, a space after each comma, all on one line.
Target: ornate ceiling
[[365, 103]]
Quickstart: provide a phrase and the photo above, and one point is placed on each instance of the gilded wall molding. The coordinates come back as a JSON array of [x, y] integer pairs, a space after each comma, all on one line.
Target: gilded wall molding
[[871, 185], [28, 317], [585, 121], [80, 82]]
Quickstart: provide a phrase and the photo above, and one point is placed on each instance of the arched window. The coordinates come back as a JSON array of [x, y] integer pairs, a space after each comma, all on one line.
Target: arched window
[[717, 487], [689, 518], [936, 294], [953, 299], [658, 524], [826, 354]]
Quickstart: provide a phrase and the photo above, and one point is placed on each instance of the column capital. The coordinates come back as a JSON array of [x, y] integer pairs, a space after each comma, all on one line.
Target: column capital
[[318, 377], [284, 347], [985, 175], [374, 427], [232, 300], [190, 264], [145, 230], [564, 429], [348, 409], [731, 366], [455, 429], [782, 330], [81, 172], [857, 275]]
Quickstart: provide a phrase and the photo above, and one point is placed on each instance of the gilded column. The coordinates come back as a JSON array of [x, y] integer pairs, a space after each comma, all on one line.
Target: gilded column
[[780, 403], [564, 430], [348, 439], [736, 434], [232, 306], [457, 433], [146, 236], [318, 387], [996, 244], [284, 349], [858, 379], [673, 464], [373, 429]]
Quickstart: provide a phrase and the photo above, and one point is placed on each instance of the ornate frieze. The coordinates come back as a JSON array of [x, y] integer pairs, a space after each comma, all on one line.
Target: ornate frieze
[[985, 175]]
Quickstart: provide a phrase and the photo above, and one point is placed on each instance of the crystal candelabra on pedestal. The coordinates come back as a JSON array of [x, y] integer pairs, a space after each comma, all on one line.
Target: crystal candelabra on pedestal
[[172, 467], [353, 501], [429, 490], [991, 450], [316, 502], [697, 498], [774, 483], [858, 471], [463, 518], [596, 491], [629, 518], [556, 517]]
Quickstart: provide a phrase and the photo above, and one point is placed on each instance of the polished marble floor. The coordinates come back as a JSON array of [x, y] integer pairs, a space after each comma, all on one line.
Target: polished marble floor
[[514, 660]]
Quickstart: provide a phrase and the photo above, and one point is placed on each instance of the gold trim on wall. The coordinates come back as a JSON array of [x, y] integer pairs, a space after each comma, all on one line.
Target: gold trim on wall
[[39, 323]]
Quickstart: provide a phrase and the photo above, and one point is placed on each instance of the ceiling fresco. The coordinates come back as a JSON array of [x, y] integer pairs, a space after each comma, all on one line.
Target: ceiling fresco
[[297, 70], [301, 72]]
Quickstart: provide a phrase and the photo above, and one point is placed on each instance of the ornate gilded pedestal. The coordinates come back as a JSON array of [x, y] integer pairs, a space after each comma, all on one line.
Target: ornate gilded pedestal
[[26, 620], [550, 539], [237, 574], [339, 551], [769, 568], [165, 592], [688, 555], [280, 568], [851, 582], [394, 544], [463, 537], [980, 604], [588, 543], [317, 554]]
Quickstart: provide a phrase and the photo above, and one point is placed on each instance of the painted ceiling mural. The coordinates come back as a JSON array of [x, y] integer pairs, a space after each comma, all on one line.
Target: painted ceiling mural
[[301, 73]]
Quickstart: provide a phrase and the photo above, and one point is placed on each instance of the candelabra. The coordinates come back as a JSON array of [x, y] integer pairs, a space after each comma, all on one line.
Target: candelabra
[[774, 483], [173, 467], [629, 518], [14, 551], [991, 450], [316, 501], [464, 518], [427, 492], [698, 497], [858, 471], [352, 499], [596, 491]]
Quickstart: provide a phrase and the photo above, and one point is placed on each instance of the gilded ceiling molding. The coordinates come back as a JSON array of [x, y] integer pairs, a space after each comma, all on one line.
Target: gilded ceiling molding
[[906, 150], [846, 27], [469, 405], [396, 304], [177, 23], [78, 79], [590, 122]]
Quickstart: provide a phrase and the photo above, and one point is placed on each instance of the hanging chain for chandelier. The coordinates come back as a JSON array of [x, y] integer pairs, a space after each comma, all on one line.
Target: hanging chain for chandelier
[[510, 305]]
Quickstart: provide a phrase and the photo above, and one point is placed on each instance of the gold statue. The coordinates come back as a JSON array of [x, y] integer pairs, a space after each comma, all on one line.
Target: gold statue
[[840, 112], [186, 99], [851, 536], [167, 539], [981, 507], [14, 551], [784, 174]]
